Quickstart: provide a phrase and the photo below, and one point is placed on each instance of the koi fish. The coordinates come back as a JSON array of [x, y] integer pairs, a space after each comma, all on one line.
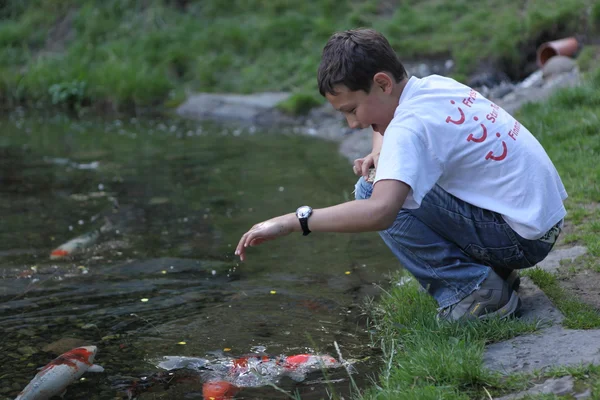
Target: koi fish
[[219, 390], [54, 378], [224, 378], [80, 242]]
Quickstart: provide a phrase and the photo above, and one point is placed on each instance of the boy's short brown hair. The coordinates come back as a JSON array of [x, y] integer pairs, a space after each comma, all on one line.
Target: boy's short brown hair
[[351, 58]]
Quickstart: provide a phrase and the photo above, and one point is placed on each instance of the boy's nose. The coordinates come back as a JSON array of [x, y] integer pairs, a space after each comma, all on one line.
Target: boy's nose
[[352, 122]]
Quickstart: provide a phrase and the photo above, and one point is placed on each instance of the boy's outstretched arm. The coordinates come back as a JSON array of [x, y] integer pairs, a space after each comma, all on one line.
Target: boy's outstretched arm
[[374, 214]]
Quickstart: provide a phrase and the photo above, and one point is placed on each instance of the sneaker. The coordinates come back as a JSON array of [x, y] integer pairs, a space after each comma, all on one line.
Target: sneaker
[[511, 276], [495, 298]]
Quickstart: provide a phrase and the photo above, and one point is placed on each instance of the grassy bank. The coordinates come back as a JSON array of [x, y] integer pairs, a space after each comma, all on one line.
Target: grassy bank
[[127, 54], [429, 361]]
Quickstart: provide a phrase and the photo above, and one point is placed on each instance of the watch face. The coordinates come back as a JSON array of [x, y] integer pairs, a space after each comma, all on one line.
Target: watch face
[[303, 212]]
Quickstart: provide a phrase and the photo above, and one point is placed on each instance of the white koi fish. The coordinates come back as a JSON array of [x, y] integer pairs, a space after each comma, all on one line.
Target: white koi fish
[[79, 243], [54, 378]]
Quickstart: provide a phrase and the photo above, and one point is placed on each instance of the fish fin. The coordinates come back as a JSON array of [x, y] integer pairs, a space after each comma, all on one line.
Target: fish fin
[[62, 395], [95, 368]]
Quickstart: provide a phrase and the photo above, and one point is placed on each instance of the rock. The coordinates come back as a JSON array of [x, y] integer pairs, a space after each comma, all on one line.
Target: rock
[[27, 350], [559, 387], [488, 79], [536, 306], [531, 94], [63, 345], [558, 65], [552, 261], [548, 348], [535, 79], [584, 395], [26, 332], [230, 106]]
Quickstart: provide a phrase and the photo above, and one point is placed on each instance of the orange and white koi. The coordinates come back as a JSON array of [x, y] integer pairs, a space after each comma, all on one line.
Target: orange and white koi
[[225, 378], [54, 378], [80, 242]]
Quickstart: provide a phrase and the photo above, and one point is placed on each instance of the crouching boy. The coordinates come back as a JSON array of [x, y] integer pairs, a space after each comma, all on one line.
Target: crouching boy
[[463, 195]]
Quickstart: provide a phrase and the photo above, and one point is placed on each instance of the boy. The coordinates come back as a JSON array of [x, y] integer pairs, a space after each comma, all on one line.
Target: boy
[[463, 195]]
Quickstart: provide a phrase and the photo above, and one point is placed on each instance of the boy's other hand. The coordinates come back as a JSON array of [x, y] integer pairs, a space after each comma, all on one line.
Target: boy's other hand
[[267, 230], [362, 165]]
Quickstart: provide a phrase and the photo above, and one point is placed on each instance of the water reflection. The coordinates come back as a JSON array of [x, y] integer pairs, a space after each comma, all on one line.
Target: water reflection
[[177, 196]]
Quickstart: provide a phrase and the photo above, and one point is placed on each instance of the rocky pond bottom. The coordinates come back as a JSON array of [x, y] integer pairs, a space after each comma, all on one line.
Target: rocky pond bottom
[[161, 205]]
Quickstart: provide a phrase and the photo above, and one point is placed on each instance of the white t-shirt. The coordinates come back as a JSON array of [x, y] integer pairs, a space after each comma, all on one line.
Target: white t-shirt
[[446, 133]]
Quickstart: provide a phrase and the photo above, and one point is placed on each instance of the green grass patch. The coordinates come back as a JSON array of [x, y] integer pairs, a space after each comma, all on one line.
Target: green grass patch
[[133, 53], [425, 358], [300, 103], [578, 315]]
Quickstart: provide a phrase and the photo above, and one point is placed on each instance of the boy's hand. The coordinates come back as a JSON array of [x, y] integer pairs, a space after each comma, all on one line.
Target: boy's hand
[[267, 230], [362, 165]]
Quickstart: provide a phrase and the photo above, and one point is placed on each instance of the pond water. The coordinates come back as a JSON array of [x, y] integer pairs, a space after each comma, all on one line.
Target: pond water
[[163, 281]]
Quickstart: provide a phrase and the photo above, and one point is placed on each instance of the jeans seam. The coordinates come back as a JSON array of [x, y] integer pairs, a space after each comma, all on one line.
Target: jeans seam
[[454, 213], [511, 234]]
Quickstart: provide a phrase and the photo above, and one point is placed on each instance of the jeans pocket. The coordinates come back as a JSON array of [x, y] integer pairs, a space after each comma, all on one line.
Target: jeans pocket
[[506, 257]]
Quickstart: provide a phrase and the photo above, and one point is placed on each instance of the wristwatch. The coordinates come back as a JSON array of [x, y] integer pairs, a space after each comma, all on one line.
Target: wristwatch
[[303, 212]]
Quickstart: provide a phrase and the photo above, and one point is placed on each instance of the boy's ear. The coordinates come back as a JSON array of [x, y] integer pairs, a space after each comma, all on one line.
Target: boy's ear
[[384, 81]]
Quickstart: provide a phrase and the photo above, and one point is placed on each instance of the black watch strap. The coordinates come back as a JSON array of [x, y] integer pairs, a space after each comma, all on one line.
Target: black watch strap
[[304, 225]]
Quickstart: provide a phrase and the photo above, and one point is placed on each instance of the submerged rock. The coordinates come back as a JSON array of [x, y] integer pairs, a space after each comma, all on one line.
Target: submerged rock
[[63, 345]]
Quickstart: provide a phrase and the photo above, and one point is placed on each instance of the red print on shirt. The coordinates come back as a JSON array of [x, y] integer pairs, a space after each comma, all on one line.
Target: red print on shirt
[[491, 117]]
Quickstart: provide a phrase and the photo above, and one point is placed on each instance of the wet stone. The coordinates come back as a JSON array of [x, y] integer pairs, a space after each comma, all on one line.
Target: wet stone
[[63, 345], [27, 350], [26, 332]]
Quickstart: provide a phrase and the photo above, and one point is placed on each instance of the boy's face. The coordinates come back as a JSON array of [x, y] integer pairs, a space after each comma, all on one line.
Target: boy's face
[[361, 109]]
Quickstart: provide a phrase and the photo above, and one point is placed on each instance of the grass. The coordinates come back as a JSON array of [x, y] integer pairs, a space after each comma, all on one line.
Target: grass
[[135, 54], [430, 360], [424, 360]]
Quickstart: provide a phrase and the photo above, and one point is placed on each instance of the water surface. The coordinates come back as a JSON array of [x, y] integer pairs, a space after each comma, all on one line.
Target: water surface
[[164, 281]]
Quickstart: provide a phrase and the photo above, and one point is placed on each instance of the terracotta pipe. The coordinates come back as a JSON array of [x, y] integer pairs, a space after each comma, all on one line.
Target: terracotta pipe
[[562, 47]]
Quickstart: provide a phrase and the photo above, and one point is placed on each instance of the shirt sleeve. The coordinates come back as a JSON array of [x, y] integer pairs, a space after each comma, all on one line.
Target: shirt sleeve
[[406, 157]]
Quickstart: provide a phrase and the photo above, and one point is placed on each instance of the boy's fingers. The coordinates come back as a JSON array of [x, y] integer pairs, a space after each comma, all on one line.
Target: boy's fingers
[[369, 162], [239, 250], [365, 169], [357, 166]]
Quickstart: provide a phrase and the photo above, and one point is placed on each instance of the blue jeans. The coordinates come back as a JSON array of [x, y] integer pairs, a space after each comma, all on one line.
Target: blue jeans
[[449, 245]]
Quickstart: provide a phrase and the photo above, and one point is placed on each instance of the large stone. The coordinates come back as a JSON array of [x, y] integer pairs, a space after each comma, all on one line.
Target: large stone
[[551, 346], [65, 344], [558, 65], [246, 108], [536, 306], [548, 348], [516, 99], [552, 262]]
